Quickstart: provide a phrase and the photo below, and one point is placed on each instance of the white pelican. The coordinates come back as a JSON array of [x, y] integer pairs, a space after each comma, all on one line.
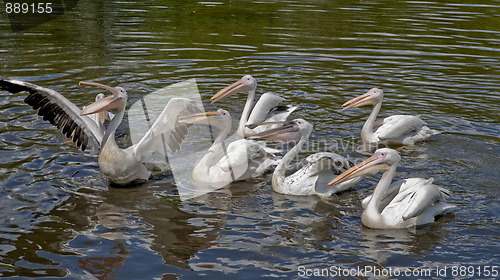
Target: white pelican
[[101, 117], [265, 110], [311, 176], [405, 203], [397, 129], [119, 166], [241, 160]]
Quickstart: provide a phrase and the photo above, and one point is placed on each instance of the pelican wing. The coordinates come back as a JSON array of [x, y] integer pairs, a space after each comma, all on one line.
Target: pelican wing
[[327, 161], [280, 113], [423, 198], [267, 107], [167, 128], [393, 190], [243, 151], [318, 161], [325, 166], [331, 160], [398, 126], [246, 158], [59, 111], [415, 196]]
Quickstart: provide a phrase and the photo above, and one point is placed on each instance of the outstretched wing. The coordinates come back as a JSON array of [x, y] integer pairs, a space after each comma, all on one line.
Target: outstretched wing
[[167, 129], [59, 111]]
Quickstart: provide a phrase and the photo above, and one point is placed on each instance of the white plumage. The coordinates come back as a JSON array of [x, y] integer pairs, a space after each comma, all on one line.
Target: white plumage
[[396, 129], [267, 109], [119, 166], [240, 160], [402, 204], [309, 177]]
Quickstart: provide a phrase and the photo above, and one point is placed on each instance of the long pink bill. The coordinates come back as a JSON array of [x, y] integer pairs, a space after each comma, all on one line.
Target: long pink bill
[[355, 101], [287, 132], [102, 105], [356, 170], [226, 92], [199, 118]]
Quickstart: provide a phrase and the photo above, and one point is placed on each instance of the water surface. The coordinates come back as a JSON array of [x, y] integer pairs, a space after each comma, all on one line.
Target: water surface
[[439, 60]]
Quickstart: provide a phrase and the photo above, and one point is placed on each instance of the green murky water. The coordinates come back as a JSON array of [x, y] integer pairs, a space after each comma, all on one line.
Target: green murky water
[[437, 59]]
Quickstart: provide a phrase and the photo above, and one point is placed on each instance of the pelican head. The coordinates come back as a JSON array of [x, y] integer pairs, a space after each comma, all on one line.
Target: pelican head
[[116, 100], [381, 160], [245, 84], [372, 97], [220, 118], [304, 126]]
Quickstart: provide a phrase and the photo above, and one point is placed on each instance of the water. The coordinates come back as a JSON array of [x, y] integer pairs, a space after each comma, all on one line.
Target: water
[[436, 59]]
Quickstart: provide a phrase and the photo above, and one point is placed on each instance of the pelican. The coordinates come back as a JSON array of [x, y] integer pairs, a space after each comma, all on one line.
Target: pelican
[[397, 129], [311, 176], [265, 110], [405, 203], [101, 117], [119, 166], [241, 160]]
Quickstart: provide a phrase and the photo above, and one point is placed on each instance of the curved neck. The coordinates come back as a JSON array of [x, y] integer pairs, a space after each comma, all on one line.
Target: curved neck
[[279, 172], [367, 134], [109, 136], [246, 112], [373, 206], [207, 160]]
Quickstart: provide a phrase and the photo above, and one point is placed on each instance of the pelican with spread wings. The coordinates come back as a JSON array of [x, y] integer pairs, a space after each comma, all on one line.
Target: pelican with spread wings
[[119, 166]]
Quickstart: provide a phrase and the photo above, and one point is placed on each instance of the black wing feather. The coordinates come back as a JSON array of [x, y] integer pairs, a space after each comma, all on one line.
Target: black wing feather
[[56, 109]]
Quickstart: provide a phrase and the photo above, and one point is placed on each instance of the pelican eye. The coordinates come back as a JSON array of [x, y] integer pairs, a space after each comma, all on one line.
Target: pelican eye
[[338, 163]]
